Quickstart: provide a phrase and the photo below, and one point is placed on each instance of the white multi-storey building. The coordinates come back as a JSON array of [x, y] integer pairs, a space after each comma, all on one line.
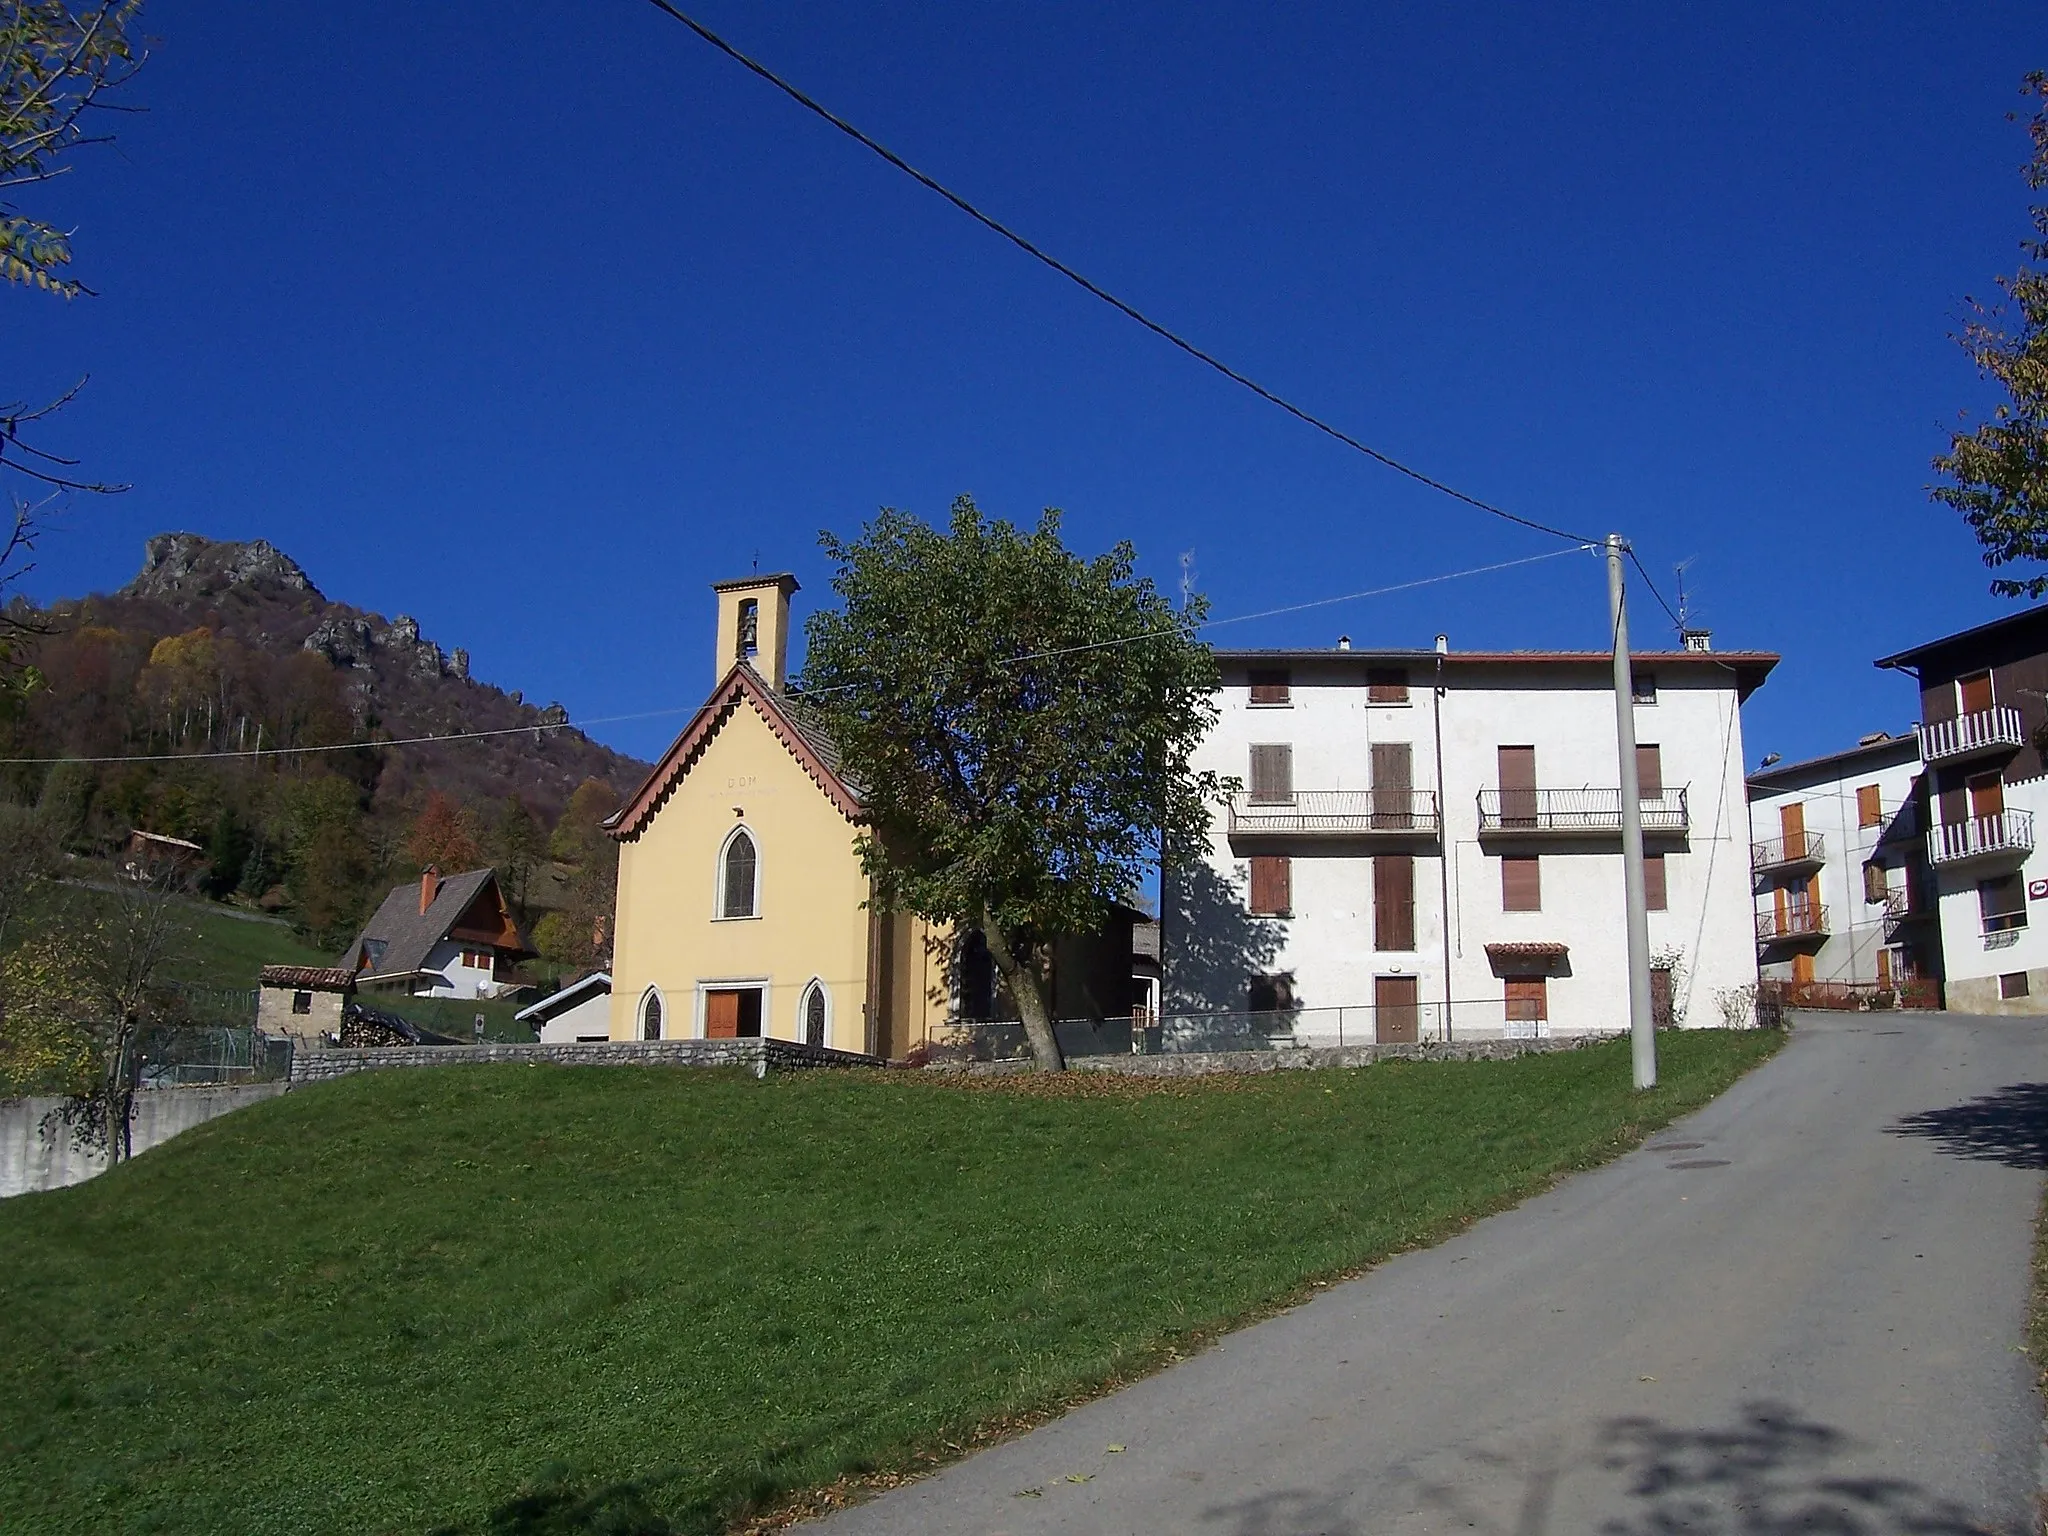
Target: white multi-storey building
[[1838, 851], [1428, 843]]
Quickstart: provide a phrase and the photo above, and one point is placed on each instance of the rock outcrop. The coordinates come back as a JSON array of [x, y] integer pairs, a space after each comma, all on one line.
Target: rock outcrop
[[182, 566]]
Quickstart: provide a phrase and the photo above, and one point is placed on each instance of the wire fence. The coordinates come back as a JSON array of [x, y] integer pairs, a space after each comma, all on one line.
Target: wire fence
[[183, 1055]]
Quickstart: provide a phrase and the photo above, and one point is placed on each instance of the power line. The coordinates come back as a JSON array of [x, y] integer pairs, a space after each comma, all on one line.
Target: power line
[[1036, 253], [687, 709]]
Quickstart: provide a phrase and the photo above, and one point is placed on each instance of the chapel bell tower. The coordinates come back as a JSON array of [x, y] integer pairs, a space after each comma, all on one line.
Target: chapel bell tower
[[753, 625]]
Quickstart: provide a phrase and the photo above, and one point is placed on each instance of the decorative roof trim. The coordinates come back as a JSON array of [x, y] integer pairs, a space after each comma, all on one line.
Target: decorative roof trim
[[742, 683]]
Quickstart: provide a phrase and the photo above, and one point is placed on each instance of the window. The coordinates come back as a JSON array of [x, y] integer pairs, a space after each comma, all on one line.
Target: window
[[1270, 994], [1973, 693], [1273, 775], [2012, 984], [1875, 886], [1270, 685], [1642, 686], [1517, 786], [811, 1014], [1869, 806], [1528, 999], [975, 977], [1649, 772], [1521, 883], [1386, 685], [1393, 902], [650, 1015], [302, 1002], [1393, 779], [1656, 893], [1272, 885], [2002, 903], [477, 959], [738, 868]]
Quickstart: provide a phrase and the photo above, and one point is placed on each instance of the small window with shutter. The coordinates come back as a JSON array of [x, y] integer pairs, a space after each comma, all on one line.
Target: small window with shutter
[[1521, 883], [1271, 685], [1272, 885], [1386, 685], [1869, 806], [1270, 994], [1272, 775], [1875, 885], [1656, 894]]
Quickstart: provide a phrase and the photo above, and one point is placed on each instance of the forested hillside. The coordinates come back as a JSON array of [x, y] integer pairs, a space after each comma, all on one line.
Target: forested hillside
[[205, 678]]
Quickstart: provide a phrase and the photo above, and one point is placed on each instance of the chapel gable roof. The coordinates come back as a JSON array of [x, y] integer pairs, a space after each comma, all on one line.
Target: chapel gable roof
[[795, 725]]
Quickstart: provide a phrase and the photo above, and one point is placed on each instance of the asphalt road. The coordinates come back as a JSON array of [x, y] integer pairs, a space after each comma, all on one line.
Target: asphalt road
[[1799, 1310]]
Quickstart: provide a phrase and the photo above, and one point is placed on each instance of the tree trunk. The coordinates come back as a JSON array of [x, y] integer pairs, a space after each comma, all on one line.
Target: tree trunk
[[1028, 991]]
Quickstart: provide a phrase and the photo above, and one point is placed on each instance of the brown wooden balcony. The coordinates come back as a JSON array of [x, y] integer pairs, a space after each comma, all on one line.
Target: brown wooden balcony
[[1336, 813], [1512, 812], [1980, 733]]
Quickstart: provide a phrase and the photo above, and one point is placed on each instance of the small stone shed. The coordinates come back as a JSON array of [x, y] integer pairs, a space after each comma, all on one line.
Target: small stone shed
[[303, 1001]]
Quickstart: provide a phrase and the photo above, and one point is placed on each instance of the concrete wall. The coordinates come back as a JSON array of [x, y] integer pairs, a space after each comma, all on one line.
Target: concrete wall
[[31, 1161], [1566, 710]]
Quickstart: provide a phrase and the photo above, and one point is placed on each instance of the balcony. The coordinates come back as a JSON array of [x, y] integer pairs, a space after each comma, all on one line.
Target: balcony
[[1905, 906], [1981, 733], [2005, 837], [1793, 925], [1336, 813], [1521, 812], [1802, 850]]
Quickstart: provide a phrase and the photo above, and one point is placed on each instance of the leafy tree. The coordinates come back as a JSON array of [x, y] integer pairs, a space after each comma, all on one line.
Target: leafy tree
[[1023, 721], [329, 883], [579, 831], [518, 846], [441, 836], [1998, 474], [46, 992], [57, 59]]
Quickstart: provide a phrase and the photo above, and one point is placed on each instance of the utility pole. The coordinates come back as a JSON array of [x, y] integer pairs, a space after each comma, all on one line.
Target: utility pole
[[1642, 1025]]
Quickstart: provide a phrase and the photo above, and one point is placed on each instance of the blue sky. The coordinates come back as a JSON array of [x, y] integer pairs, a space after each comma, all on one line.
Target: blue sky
[[531, 323]]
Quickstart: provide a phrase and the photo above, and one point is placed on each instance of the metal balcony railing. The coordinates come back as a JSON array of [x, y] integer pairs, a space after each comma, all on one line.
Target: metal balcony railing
[[2002, 835], [1807, 922], [1336, 813], [1977, 734], [1906, 904], [1801, 848], [1575, 810]]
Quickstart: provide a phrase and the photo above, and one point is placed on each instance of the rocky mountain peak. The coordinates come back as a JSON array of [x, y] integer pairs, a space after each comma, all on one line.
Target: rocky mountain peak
[[189, 565]]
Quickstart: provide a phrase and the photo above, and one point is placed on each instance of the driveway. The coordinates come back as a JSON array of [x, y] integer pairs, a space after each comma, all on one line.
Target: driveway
[[1799, 1310]]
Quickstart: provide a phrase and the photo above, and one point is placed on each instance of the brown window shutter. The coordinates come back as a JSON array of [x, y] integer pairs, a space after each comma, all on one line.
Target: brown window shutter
[[1272, 775], [1270, 686], [1869, 806], [1393, 781], [1656, 894], [1386, 685], [1521, 883], [1875, 885], [1517, 786], [1393, 902], [1271, 882], [1650, 772]]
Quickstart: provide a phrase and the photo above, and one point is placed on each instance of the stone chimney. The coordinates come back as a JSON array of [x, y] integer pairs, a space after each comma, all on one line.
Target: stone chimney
[[430, 887], [753, 625]]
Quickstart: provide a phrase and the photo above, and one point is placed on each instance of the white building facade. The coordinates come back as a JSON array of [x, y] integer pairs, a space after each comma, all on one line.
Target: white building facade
[[1427, 844], [1844, 892]]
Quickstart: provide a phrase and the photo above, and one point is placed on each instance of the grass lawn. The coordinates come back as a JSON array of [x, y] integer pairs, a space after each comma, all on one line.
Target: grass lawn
[[543, 1300]]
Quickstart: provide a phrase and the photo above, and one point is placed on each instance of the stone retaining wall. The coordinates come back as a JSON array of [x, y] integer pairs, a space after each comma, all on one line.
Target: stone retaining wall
[[754, 1055], [1193, 1063]]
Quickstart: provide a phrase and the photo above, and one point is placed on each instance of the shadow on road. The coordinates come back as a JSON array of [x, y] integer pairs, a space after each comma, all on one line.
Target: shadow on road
[[1768, 1472], [2009, 1126]]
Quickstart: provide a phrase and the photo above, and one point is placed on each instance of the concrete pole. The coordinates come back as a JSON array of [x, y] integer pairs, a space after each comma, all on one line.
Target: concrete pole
[[1642, 1023]]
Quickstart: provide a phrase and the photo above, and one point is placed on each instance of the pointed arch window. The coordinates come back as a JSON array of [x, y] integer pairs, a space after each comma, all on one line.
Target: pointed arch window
[[650, 1015], [813, 1014], [739, 872]]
